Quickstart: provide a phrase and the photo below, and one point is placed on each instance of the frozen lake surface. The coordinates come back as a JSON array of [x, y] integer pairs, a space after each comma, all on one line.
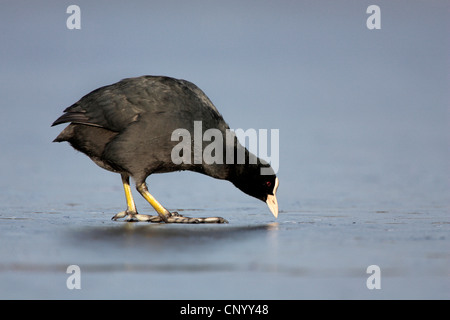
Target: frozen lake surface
[[304, 254]]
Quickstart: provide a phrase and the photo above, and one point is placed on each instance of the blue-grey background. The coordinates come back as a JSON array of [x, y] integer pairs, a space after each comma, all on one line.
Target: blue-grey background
[[364, 150]]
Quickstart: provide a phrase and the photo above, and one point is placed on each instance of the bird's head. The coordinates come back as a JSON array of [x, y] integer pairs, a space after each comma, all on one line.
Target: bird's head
[[261, 186]]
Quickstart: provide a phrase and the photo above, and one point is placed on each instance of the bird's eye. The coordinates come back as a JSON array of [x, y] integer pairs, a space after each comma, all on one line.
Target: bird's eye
[[268, 183]]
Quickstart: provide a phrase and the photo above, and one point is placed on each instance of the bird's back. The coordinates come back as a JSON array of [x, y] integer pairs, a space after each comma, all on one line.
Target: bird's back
[[115, 106], [127, 126]]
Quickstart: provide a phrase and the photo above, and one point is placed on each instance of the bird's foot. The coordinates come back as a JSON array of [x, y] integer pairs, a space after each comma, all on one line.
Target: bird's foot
[[174, 217], [135, 217]]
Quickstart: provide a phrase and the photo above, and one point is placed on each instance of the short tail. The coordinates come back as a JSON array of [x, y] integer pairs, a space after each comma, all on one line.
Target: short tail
[[76, 117]]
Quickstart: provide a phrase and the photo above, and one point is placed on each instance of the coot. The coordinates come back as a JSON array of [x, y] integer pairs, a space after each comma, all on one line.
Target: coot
[[132, 127]]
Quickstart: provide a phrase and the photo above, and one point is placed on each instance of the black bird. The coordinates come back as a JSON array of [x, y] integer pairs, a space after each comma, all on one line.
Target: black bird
[[128, 127]]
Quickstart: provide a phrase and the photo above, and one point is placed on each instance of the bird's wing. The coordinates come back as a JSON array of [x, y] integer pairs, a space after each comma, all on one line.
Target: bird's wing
[[115, 106], [105, 107]]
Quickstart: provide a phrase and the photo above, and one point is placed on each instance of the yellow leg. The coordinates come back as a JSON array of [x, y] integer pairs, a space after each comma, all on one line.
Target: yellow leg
[[131, 206], [162, 212], [130, 201]]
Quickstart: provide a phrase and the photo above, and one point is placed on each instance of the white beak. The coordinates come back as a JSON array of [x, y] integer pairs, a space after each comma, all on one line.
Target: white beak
[[272, 200]]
